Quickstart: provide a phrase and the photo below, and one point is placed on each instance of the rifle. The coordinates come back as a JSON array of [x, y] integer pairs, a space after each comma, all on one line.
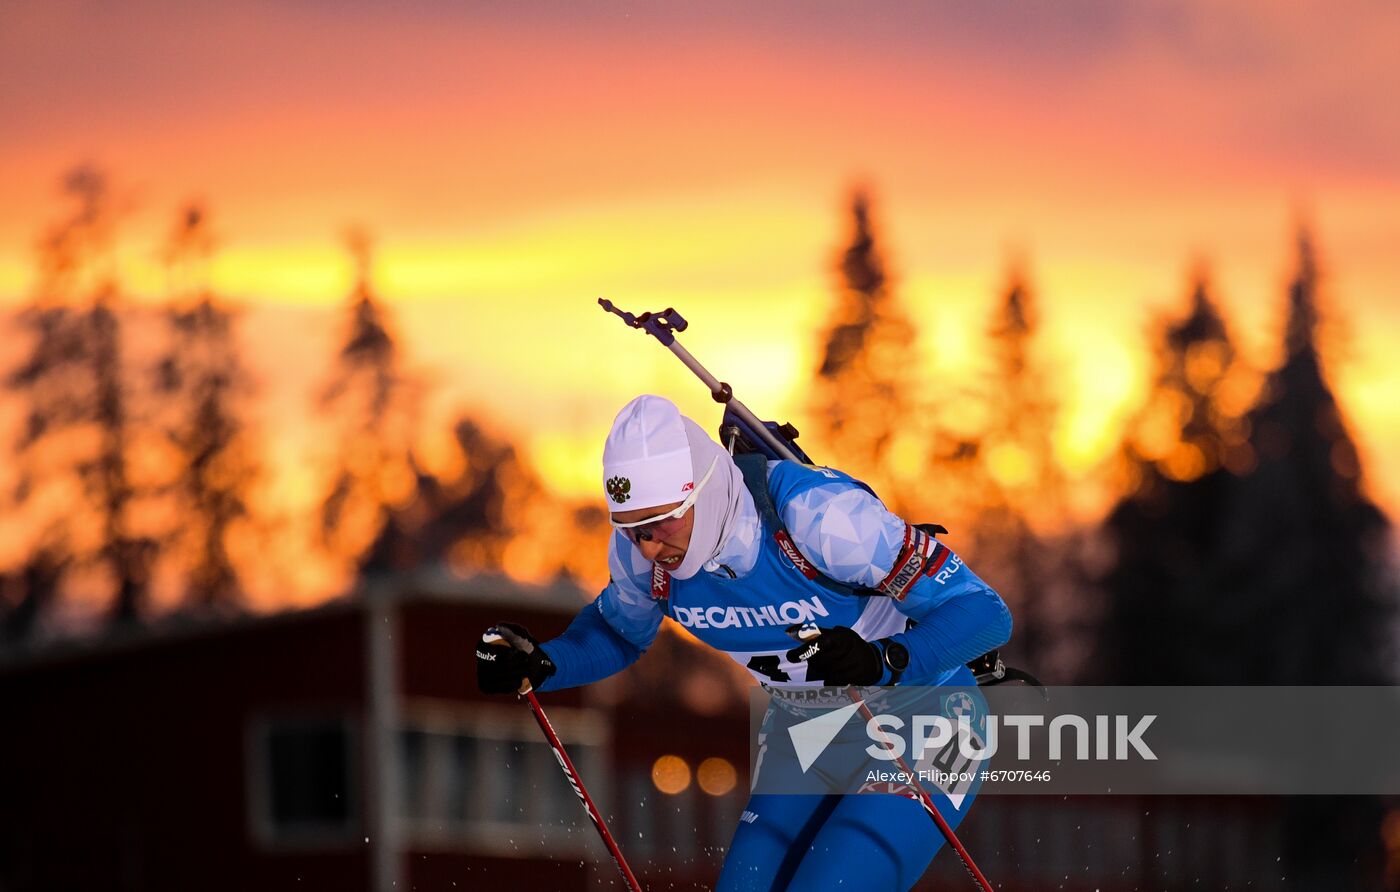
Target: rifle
[[743, 432]]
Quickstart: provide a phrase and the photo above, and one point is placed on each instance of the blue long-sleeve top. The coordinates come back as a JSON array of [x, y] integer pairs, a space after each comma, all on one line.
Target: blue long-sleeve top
[[848, 535]]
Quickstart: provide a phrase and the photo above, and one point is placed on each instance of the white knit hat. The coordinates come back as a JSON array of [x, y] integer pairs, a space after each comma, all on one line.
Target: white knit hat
[[646, 460]]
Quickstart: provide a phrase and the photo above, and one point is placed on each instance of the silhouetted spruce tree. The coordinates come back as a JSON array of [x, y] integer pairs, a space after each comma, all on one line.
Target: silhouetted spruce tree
[[372, 407], [1019, 528], [862, 401], [127, 556], [1249, 554], [1162, 590], [1305, 558], [73, 462], [205, 384], [56, 396], [27, 593], [1308, 580], [465, 522]]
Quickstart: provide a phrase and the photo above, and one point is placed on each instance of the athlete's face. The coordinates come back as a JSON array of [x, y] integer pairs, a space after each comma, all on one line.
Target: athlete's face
[[666, 542]]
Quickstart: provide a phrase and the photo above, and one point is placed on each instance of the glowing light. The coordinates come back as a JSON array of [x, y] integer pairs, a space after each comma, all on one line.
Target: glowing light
[[670, 775], [716, 776], [1185, 462]]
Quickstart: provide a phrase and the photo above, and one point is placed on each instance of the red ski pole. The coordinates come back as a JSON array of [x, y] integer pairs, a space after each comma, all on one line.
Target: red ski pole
[[809, 632], [497, 635], [927, 802]]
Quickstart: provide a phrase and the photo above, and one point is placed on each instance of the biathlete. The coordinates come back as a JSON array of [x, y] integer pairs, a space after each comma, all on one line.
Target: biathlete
[[692, 542]]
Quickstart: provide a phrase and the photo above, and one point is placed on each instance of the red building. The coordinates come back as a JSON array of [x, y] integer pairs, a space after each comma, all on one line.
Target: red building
[[344, 747]]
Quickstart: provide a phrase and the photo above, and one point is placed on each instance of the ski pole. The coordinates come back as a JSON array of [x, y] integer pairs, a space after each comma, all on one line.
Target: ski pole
[[501, 634], [927, 802], [663, 326], [808, 634]]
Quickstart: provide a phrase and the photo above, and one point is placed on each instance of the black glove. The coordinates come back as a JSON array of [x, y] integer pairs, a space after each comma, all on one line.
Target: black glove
[[507, 655], [838, 656]]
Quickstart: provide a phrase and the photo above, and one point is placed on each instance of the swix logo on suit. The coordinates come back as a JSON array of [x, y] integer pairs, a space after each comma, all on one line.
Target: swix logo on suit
[[785, 614], [660, 583], [790, 551]]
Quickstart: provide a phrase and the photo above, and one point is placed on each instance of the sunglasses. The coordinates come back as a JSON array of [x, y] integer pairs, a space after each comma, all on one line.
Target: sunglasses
[[663, 525]]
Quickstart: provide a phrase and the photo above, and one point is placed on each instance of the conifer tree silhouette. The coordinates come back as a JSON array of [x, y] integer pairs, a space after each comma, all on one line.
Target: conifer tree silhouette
[[461, 522], [1305, 546], [205, 385], [862, 399], [372, 405], [1019, 526], [1163, 583], [56, 397], [1247, 551], [74, 480]]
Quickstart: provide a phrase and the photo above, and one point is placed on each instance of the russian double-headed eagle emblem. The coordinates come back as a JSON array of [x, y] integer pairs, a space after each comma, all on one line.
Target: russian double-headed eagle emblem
[[619, 489]]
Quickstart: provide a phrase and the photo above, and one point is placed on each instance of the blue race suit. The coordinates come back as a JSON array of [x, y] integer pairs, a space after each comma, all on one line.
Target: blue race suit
[[743, 601]]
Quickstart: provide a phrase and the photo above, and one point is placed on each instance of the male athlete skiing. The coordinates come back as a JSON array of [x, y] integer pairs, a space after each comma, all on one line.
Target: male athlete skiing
[[893, 606]]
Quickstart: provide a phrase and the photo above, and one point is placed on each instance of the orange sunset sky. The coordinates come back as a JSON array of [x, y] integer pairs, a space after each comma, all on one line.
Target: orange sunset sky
[[518, 160]]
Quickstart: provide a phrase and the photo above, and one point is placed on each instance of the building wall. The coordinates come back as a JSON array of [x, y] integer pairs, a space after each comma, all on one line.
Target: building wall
[[128, 767], [484, 799], [437, 656], [152, 764]]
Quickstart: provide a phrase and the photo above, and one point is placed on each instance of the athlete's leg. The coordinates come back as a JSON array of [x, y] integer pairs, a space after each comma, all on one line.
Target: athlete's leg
[[773, 835], [871, 842], [879, 839]]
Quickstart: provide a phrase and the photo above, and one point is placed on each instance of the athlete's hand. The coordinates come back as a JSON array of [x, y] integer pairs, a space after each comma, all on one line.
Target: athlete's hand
[[507, 657], [836, 656]]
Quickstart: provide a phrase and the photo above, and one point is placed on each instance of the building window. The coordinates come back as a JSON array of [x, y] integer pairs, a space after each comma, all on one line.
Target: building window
[[475, 781], [302, 780]]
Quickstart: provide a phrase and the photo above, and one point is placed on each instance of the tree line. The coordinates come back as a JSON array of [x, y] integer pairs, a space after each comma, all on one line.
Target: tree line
[[135, 463], [1240, 546]]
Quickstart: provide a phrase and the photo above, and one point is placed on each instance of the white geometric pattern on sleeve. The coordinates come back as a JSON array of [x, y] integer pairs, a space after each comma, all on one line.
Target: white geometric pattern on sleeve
[[630, 572], [845, 532]]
